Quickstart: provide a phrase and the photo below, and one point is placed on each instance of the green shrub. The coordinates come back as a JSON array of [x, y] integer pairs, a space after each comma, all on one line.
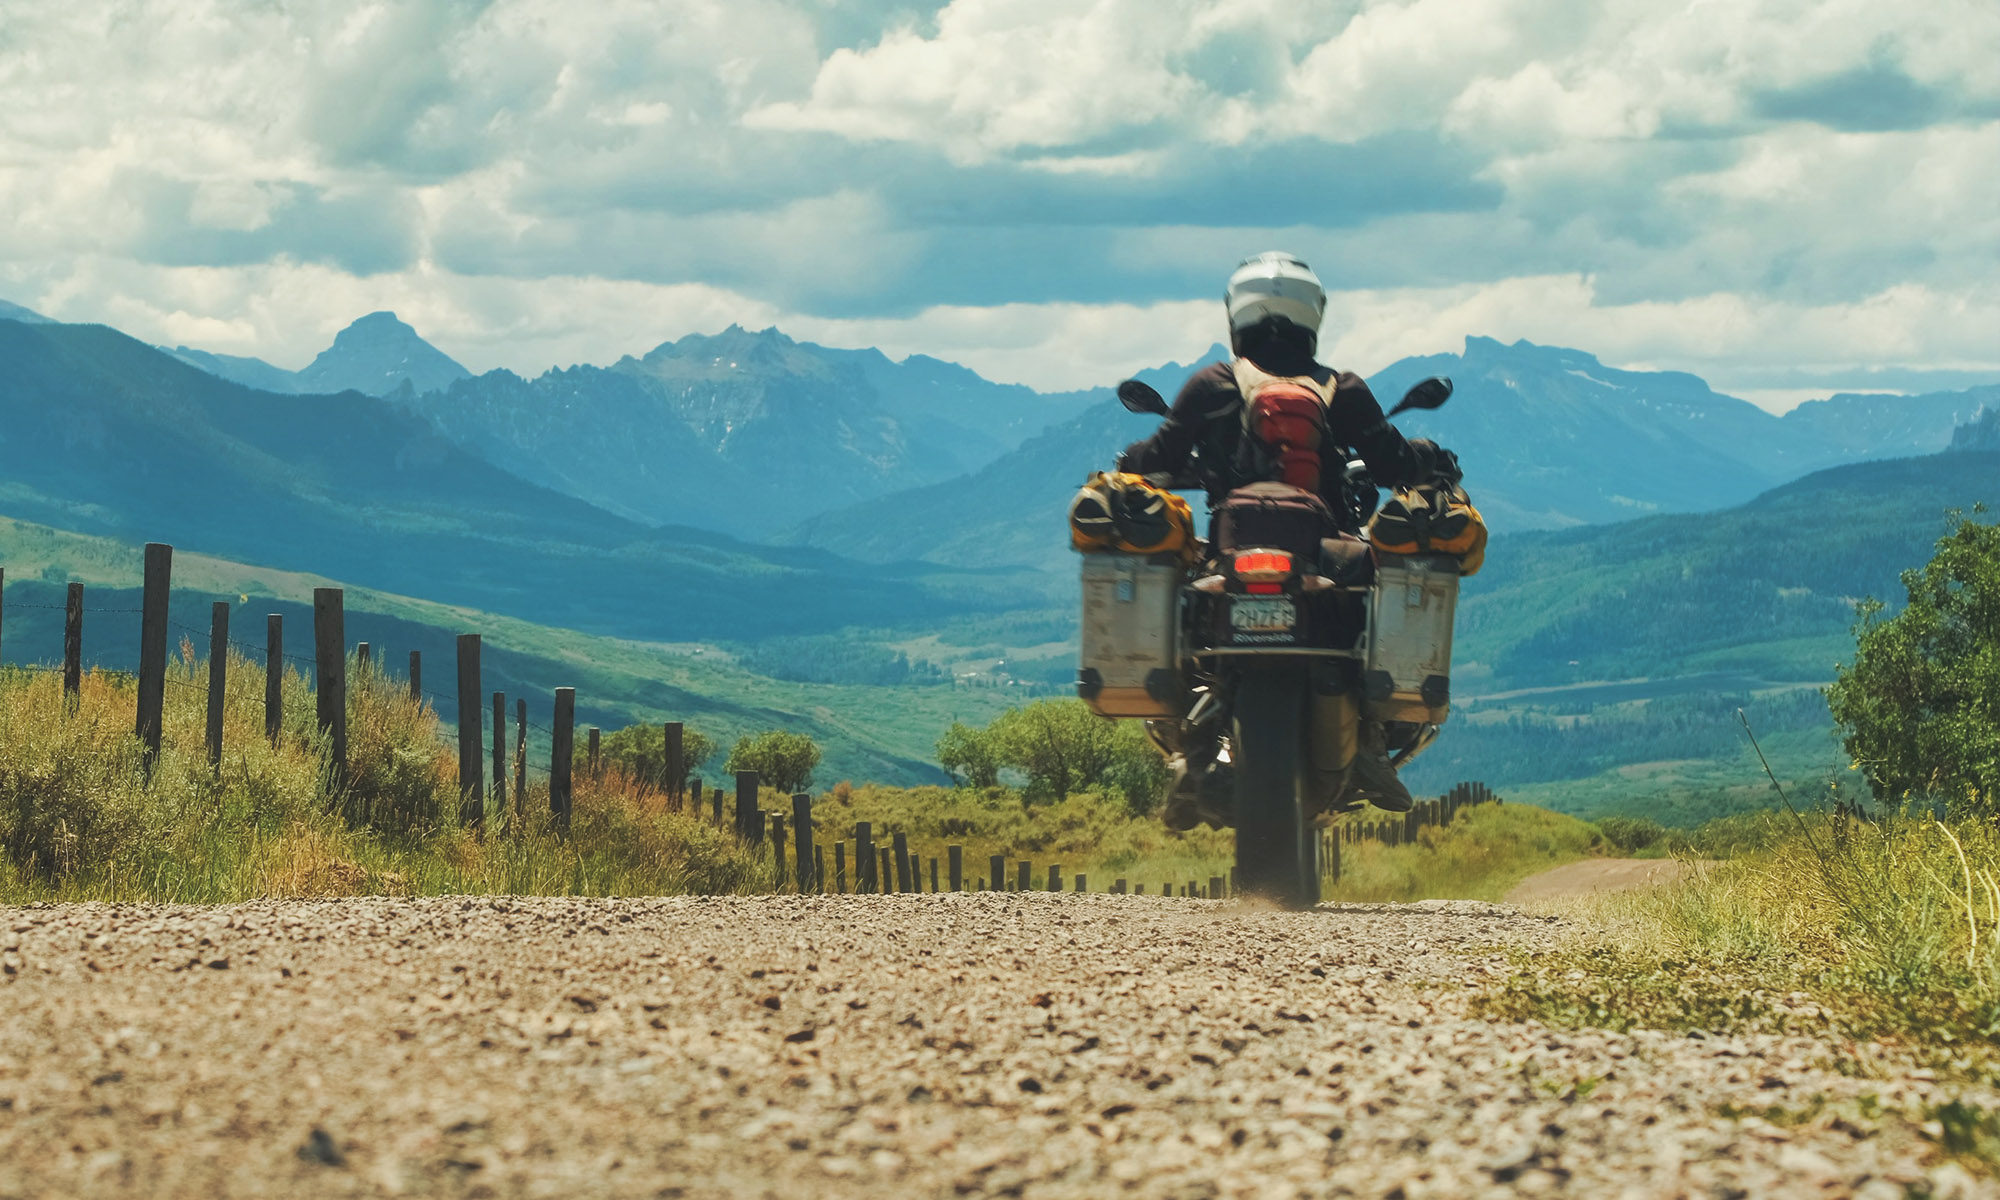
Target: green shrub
[[1920, 706], [1060, 748], [400, 776], [783, 761], [640, 751], [1629, 835], [66, 778], [968, 756]]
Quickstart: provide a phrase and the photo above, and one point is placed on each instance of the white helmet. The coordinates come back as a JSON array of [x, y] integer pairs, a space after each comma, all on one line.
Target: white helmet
[[1275, 284]]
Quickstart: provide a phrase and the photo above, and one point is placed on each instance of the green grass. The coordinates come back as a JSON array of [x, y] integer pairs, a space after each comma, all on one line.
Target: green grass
[[1088, 833], [80, 818], [1891, 929], [1479, 856]]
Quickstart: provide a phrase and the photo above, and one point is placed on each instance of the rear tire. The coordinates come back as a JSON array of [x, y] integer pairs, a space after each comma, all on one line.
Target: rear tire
[[1277, 856]]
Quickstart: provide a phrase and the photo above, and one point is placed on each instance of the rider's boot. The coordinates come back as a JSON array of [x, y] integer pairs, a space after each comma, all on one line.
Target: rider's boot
[[1374, 779], [1182, 810], [1331, 741]]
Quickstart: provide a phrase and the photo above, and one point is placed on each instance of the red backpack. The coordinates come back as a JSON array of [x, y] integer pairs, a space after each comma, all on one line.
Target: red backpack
[[1284, 420]]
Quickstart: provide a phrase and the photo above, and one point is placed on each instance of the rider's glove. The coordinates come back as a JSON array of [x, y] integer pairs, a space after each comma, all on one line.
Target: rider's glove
[[1440, 464]]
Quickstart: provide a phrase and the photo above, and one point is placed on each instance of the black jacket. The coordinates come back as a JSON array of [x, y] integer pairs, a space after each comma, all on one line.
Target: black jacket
[[1208, 414]]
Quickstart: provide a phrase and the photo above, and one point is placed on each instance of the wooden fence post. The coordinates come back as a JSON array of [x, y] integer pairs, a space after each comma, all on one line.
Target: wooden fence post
[[819, 869], [153, 648], [802, 839], [954, 858], [218, 677], [778, 852], [521, 757], [748, 824], [364, 657], [996, 870], [1023, 875], [274, 678], [1055, 878], [715, 804], [1118, 887], [500, 754], [840, 868], [1215, 891], [1333, 860], [864, 857], [674, 763], [1082, 884], [934, 876], [900, 842], [887, 869], [594, 744], [73, 648], [330, 663], [416, 677], [471, 739], [562, 749]]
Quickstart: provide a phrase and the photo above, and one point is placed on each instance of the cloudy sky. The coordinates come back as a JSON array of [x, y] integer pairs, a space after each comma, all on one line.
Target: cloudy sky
[[1785, 196]]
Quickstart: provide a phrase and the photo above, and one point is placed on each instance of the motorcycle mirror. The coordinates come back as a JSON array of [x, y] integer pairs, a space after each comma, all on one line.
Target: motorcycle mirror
[[1141, 398], [1430, 393]]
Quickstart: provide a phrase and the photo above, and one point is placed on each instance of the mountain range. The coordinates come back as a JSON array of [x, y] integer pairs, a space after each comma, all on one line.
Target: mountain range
[[763, 437], [741, 432], [753, 435], [376, 355], [102, 434], [1549, 438]]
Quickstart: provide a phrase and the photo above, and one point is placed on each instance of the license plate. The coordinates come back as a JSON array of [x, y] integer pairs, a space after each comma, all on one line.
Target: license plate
[[1262, 614]]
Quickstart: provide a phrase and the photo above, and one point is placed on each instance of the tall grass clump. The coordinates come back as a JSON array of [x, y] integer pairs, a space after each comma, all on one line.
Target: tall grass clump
[[82, 818], [1479, 856], [1891, 926]]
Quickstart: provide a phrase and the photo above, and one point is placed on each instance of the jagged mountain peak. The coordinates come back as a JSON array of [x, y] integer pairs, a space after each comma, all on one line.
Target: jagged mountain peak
[[1982, 433], [382, 323], [378, 354]]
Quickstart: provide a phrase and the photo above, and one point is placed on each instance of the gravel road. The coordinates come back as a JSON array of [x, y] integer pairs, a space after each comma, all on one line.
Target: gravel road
[[1036, 1045], [1594, 876]]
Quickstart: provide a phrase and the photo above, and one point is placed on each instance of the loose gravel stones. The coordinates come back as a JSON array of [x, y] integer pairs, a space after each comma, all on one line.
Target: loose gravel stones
[[1020, 1045]]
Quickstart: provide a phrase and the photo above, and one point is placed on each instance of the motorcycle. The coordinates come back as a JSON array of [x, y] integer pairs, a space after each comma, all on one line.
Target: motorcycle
[[1273, 655]]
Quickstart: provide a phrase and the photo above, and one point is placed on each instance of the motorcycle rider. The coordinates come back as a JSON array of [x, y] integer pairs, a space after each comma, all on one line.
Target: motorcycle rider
[[1275, 304]]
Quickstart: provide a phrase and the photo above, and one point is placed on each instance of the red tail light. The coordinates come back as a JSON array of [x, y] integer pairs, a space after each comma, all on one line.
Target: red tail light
[[1263, 566]]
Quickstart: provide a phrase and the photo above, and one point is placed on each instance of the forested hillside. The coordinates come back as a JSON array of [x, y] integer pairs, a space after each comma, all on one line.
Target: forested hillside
[[1765, 589]]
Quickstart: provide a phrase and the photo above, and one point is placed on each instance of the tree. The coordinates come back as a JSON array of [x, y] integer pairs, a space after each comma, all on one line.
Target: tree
[[1136, 771], [641, 752], [1920, 708], [1063, 748], [784, 761], [968, 755], [1060, 745]]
